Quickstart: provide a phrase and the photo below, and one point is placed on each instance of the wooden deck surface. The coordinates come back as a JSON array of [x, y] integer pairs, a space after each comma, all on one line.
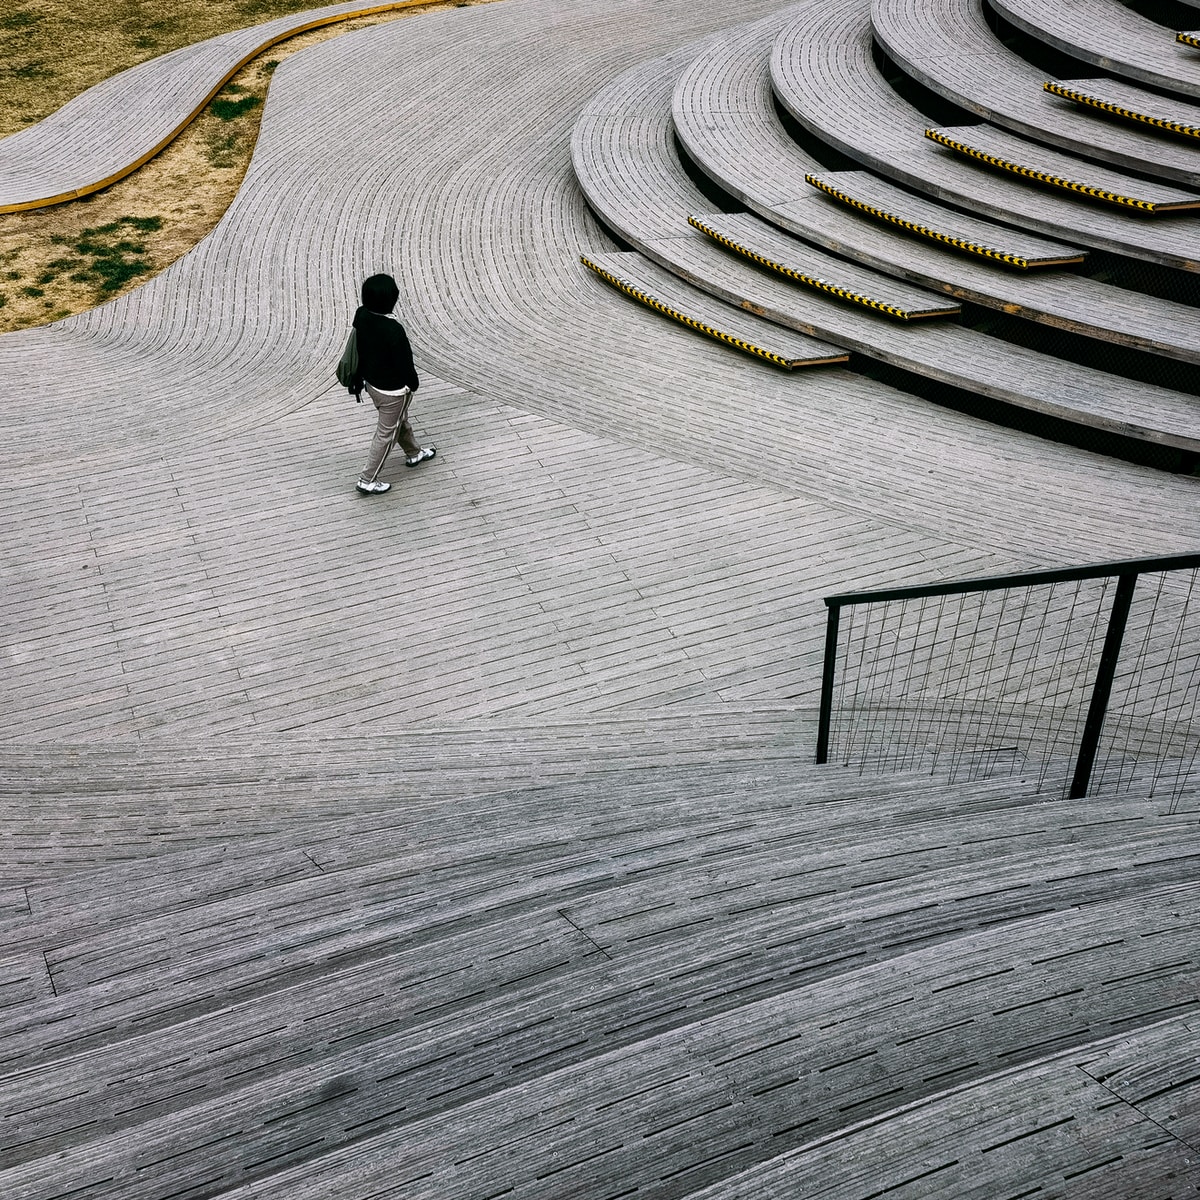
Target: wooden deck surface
[[465, 841], [949, 46], [824, 74]]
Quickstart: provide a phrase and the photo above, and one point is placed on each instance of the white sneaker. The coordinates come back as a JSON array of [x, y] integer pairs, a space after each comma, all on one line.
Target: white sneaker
[[421, 455], [372, 487]]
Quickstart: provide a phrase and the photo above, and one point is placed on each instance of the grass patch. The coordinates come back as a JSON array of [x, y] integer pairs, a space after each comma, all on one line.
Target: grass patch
[[225, 109], [103, 256]]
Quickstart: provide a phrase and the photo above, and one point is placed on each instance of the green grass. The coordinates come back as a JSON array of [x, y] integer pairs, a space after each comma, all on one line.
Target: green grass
[[230, 110], [103, 255]]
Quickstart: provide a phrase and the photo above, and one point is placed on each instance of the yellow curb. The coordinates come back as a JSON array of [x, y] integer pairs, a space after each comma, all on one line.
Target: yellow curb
[[1071, 185], [978, 248], [1108, 106]]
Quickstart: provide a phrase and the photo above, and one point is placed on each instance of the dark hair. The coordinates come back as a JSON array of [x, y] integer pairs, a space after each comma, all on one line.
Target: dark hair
[[380, 293]]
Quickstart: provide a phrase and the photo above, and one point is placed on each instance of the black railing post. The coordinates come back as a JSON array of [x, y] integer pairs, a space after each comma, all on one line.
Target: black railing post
[[827, 673], [1103, 686]]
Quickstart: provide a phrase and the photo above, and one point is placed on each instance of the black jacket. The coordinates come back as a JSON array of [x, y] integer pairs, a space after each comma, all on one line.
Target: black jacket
[[384, 356]]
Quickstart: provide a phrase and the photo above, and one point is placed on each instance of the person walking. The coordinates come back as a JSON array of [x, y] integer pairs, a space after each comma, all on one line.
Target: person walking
[[386, 371]]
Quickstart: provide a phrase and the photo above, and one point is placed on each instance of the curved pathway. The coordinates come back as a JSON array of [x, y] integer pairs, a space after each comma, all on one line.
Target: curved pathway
[[524, 742], [114, 127]]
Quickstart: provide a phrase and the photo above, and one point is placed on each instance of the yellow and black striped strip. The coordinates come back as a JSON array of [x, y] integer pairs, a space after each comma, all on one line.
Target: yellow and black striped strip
[[882, 214], [1189, 38], [1119, 110], [674, 313], [1071, 185], [822, 285]]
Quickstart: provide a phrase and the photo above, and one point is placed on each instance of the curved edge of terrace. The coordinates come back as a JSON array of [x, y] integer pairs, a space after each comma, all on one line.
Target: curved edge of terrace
[[121, 123], [948, 46]]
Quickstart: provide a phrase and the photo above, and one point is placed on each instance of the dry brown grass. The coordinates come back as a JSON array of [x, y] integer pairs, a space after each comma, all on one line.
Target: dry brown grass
[[70, 257]]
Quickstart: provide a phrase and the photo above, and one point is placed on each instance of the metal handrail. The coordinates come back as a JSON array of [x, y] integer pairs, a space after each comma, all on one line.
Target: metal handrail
[[1126, 572]]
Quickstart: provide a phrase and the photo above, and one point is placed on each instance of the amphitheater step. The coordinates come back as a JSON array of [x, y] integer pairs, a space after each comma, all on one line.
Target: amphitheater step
[[643, 193], [1113, 97], [767, 246], [824, 74], [1006, 152], [665, 294], [947, 353], [950, 48], [1114, 37], [883, 201], [724, 115]]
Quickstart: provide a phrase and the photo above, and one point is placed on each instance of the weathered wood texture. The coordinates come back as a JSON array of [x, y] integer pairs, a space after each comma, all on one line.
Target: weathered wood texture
[[1111, 36], [462, 841], [114, 127], [629, 171], [949, 47], [724, 116], [824, 75]]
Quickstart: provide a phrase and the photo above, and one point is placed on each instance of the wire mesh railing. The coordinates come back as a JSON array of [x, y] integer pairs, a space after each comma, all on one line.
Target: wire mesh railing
[[1086, 678]]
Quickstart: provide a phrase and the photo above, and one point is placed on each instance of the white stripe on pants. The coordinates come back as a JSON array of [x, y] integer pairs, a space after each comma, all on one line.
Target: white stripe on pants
[[392, 427]]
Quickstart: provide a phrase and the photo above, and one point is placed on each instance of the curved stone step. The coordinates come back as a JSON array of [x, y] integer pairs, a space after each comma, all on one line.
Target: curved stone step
[[1006, 152], [824, 75], [948, 46], [1111, 36], [1113, 97], [659, 290], [767, 246], [117, 125]]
